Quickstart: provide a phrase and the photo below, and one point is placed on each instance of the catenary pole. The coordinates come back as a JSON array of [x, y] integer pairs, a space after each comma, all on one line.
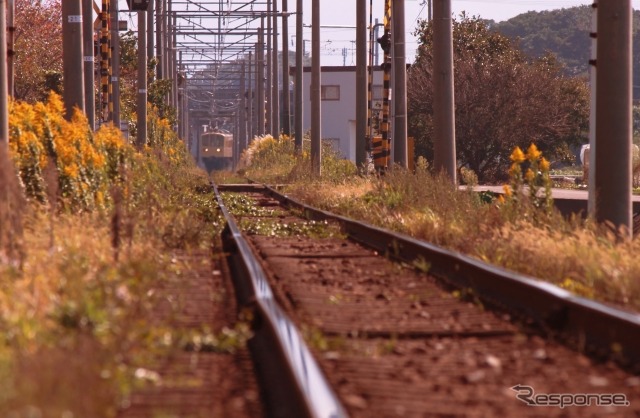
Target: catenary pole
[[260, 80], [361, 85], [11, 31], [72, 56], [249, 105], [443, 90], [242, 110], [299, 73], [399, 85], [316, 129], [115, 62], [614, 115], [150, 30], [141, 111], [267, 88], [4, 96], [275, 95], [159, 41], [89, 62], [591, 175], [286, 98]]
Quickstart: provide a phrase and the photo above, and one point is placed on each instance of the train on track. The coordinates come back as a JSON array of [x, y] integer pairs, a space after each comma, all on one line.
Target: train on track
[[216, 149]]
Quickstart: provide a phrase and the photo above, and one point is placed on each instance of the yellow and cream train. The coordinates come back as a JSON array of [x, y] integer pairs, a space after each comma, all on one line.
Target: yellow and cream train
[[216, 149]]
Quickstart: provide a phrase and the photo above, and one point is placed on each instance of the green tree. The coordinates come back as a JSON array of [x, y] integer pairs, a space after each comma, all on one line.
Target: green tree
[[503, 100]]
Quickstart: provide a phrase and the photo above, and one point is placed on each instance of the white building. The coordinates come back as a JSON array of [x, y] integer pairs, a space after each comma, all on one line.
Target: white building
[[338, 105]]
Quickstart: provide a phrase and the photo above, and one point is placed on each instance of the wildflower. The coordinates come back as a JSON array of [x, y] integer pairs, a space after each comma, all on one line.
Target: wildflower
[[517, 156], [507, 190], [533, 154], [529, 175], [544, 165]]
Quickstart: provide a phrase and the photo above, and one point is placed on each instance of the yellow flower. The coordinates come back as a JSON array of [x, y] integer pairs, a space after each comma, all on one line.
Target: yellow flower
[[507, 190], [501, 199], [529, 175], [533, 154], [544, 165], [517, 156]]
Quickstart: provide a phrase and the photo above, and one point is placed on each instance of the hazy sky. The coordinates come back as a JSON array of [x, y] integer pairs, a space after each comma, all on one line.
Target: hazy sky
[[338, 44]]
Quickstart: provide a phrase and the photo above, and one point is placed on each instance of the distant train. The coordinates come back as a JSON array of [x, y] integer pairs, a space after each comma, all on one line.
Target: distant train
[[216, 149]]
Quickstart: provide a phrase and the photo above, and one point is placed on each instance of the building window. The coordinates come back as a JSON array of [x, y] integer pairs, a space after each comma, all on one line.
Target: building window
[[330, 92]]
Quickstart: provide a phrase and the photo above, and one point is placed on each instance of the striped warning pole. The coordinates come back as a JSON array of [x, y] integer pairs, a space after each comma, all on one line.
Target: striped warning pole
[[381, 145]]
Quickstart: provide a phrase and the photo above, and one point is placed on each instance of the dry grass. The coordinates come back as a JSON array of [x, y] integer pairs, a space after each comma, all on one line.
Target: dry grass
[[77, 287], [575, 255]]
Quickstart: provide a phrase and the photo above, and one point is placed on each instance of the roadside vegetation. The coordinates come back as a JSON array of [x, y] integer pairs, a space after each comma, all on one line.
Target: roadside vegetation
[[90, 230], [519, 230]]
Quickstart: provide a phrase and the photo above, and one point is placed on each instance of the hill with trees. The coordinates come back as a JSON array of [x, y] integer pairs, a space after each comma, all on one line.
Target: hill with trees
[[565, 33]]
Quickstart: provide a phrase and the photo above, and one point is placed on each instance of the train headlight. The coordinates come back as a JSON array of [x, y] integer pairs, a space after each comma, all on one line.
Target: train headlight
[[218, 150], [206, 150]]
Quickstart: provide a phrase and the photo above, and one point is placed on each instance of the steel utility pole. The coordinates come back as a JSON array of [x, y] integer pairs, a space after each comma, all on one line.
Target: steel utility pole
[[275, 95], [399, 85], [11, 11], [316, 128], [72, 56], [614, 116], [444, 115], [4, 105], [286, 99], [361, 85], [89, 62], [141, 137], [299, 73], [115, 63]]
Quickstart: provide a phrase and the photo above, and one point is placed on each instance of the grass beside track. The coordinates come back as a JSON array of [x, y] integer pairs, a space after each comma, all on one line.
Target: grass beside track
[[584, 258]]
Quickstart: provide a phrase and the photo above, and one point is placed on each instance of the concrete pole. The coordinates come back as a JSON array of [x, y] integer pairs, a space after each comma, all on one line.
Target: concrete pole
[[260, 80], [242, 137], [174, 57], [159, 38], [150, 30], [443, 90], [361, 85], [275, 91], [89, 62], [11, 30], [613, 115], [299, 73], [316, 127], [591, 180], [249, 103], [267, 89], [115, 63], [141, 111], [72, 56], [286, 98], [400, 156], [4, 101]]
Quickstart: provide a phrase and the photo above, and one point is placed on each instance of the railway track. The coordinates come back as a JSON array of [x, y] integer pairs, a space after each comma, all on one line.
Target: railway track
[[437, 334]]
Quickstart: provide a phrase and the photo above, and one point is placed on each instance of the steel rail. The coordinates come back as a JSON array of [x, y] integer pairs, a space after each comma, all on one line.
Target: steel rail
[[292, 381], [600, 329]]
